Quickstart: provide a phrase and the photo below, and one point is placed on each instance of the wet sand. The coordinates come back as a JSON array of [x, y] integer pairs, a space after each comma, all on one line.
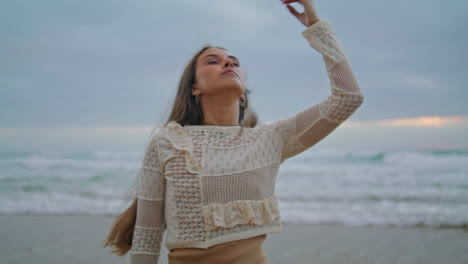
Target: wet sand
[[77, 239]]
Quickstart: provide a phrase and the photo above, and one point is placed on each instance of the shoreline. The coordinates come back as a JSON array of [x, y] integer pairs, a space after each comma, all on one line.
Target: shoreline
[[78, 238], [461, 227]]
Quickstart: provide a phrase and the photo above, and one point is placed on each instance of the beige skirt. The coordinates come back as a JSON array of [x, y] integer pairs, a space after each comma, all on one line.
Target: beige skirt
[[244, 251]]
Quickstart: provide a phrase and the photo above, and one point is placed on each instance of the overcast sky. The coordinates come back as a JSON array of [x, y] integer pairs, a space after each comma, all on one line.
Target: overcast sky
[[97, 70]]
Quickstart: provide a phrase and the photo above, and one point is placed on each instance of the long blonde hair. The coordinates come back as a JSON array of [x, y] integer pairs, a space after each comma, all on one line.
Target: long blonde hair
[[185, 112]]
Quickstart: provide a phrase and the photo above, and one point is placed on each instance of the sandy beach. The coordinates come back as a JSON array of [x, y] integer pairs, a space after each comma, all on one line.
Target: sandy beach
[[76, 239]]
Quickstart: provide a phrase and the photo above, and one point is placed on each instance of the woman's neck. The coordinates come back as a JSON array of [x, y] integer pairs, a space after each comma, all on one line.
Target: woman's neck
[[220, 114]]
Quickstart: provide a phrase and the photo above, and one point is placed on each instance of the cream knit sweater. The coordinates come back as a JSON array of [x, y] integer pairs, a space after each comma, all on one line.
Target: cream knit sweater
[[206, 185]]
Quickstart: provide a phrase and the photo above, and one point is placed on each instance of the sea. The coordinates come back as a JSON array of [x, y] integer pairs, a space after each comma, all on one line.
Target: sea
[[327, 186]]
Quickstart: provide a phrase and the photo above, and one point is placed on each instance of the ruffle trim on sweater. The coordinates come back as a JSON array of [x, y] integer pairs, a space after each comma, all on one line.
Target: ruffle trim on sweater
[[241, 213], [181, 141]]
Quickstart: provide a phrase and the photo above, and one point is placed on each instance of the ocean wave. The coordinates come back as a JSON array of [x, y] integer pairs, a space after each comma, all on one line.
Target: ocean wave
[[351, 187]]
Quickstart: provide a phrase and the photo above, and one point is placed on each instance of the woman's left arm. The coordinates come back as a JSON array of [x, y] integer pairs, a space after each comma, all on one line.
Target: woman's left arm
[[311, 125]]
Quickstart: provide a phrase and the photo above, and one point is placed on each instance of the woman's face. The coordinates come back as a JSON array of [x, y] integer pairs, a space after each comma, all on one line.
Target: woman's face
[[218, 72]]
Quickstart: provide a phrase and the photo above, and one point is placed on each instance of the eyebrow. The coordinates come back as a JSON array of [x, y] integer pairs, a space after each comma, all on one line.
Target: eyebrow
[[214, 55]]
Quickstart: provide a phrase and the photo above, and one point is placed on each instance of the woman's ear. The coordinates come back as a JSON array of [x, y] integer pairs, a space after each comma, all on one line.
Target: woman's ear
[[195, 90]]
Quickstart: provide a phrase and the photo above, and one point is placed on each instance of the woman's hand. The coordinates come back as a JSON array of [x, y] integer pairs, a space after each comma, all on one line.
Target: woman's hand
[[308, 17]]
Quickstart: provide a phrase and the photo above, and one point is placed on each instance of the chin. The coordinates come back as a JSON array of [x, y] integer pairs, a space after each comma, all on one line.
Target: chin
[[235, 86]]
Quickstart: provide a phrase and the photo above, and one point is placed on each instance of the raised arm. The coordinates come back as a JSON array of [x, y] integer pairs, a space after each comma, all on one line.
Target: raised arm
[[150, 222], [311, 125]]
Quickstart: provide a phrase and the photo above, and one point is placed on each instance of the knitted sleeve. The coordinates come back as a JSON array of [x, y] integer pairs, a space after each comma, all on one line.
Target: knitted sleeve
[[311, 125], [150, 222]]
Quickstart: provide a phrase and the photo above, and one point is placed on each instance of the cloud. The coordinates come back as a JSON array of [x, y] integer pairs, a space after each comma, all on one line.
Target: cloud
[[419, 81], [118, 62], [252, 18]]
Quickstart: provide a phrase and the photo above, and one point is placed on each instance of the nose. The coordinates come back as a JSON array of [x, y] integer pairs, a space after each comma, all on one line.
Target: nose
[[228, 63]]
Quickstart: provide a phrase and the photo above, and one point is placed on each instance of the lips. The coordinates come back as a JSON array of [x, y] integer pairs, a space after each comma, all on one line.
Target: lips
[[228, 71]]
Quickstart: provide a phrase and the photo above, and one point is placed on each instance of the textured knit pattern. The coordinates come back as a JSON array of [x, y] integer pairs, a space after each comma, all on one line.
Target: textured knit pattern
[[206, 185], [150, 220]]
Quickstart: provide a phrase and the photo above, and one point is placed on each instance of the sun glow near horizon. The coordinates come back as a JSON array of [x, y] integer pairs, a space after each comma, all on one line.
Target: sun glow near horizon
[[424, 121], [426, 131]]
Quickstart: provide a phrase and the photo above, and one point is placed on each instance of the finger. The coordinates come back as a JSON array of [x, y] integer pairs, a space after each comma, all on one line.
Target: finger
[[293, 11], [290, 1]]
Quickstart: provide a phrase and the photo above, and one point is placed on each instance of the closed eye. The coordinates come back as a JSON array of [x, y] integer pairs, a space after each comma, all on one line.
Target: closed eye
[[213, 62]]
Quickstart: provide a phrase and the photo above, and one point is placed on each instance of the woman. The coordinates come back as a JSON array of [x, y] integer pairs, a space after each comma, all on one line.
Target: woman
[[208, 175]]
